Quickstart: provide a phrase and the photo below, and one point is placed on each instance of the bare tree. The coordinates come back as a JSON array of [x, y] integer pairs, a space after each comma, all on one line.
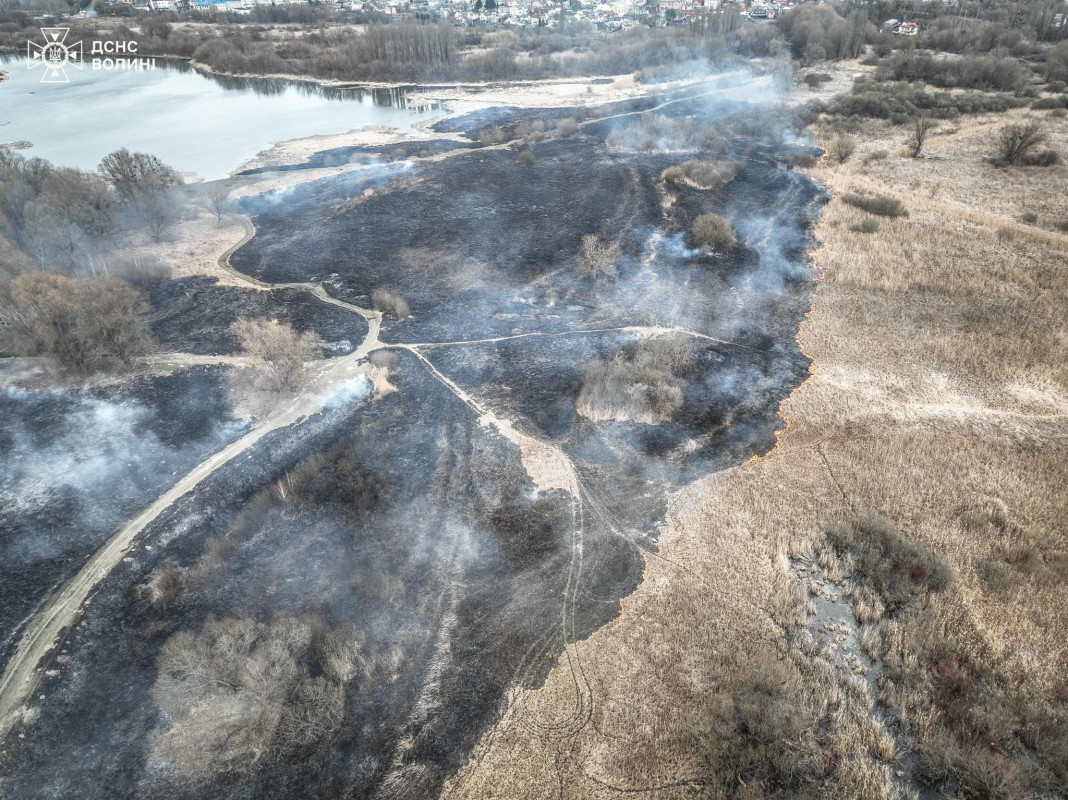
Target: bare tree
[[280, 352], [216, 198], [921, 127], [144, 183]]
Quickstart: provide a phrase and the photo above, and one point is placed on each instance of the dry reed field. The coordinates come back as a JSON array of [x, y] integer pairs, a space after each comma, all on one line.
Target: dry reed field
[[938, 399]]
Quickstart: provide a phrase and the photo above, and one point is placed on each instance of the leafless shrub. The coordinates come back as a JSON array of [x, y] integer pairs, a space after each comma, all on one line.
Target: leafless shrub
[[530, 131], [526, 158], [672, 351], [921, 127], [657, 132], [867, 225], [598, 258], [713, 232], [880, 205], [390, 303], [84, 325], [385, 360], [627, 390], [281, 354], [1016, 142], [568, 126], [239, 690], [841, 148], [494, 134], [140, 271]]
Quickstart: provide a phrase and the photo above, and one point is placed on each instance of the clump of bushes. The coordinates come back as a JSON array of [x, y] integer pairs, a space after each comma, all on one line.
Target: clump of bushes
[[83, 325], [530, 130], [896, 568], [632, 387], [901, 102], [880, 205], [814, 80], [599, 258], [334, 479], [390, 303], [713, 232], [494, 134], [984, 72], [239, 689], [703, 174], [762, 735]]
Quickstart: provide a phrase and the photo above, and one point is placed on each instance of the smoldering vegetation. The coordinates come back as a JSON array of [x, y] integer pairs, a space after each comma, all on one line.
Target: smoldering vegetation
[[196, 315], [75, 464], [358, 602], [362, 589]]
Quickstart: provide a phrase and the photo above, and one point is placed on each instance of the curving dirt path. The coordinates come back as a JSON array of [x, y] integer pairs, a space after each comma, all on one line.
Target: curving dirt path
[[22, 671]]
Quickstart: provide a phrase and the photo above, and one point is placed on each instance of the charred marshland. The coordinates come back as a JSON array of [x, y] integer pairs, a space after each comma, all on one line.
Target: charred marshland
[[344, 608]]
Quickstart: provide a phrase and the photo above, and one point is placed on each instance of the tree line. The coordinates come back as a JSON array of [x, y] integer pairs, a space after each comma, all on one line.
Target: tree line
[[57, 298]]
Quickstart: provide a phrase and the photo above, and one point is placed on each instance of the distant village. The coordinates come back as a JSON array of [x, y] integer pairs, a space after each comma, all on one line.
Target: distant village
[[608, 15]]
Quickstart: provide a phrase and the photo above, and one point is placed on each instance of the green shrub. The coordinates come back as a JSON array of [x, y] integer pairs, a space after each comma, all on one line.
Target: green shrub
[[880, 205], [713, 232]]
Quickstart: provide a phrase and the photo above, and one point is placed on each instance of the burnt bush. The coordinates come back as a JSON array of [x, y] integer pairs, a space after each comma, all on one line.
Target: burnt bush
[[528, 532], [598, 258], [898, 569], [332, 479], [879, 205]]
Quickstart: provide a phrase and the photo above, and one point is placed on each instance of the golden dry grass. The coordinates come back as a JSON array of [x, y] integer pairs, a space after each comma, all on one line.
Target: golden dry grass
[[938, 388]]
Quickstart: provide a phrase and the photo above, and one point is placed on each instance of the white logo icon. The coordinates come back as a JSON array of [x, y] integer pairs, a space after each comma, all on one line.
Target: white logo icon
[[55, 55]]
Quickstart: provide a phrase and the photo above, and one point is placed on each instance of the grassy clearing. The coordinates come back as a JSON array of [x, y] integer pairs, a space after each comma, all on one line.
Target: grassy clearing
[[938, 398]]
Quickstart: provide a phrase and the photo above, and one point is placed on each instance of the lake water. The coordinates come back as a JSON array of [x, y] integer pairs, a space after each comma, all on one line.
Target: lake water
[[202, 125]]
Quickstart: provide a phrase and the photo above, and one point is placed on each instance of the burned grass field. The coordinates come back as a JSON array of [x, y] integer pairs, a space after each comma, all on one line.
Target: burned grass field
[[343, 608]]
